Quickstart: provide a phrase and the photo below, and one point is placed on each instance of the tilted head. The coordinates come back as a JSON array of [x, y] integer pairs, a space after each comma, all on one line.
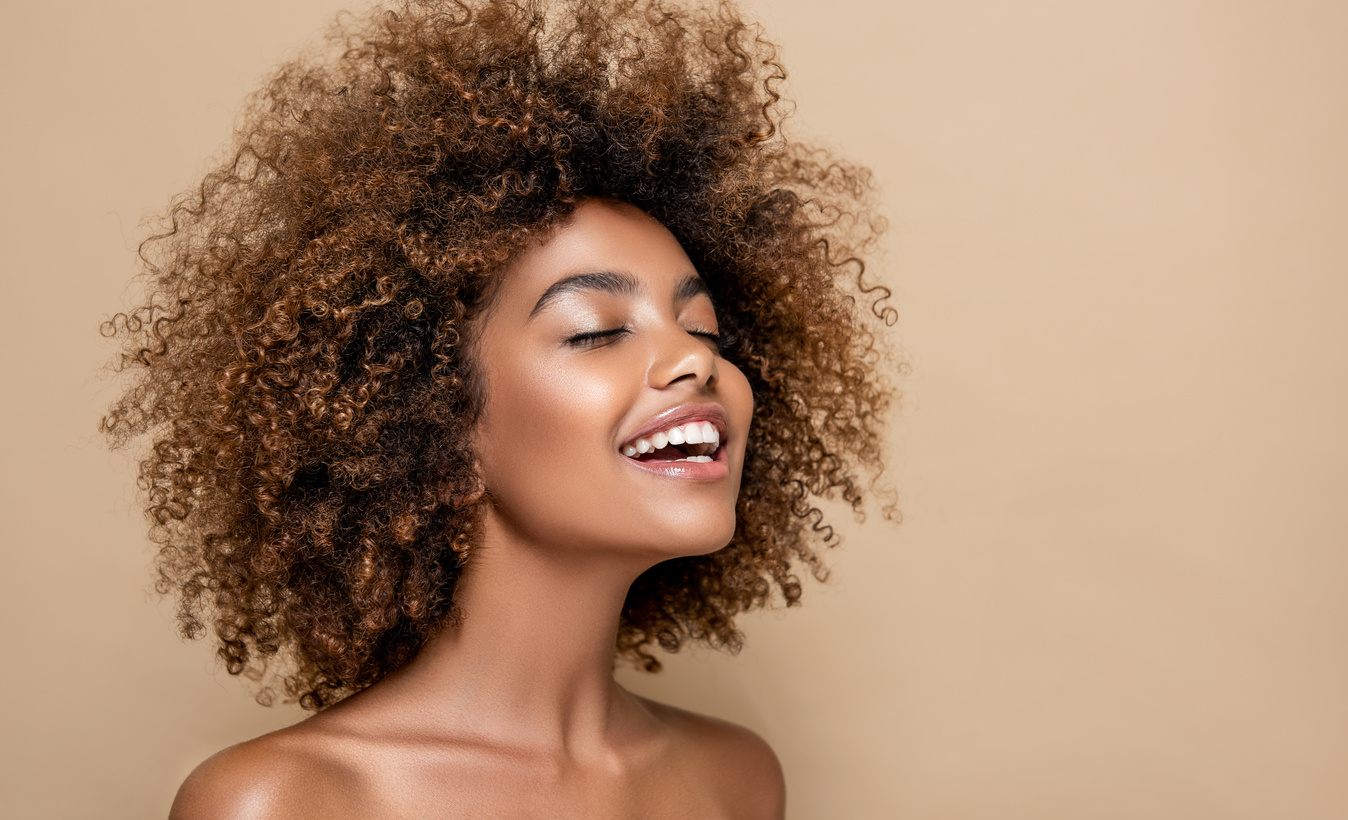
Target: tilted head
[[303, 363]]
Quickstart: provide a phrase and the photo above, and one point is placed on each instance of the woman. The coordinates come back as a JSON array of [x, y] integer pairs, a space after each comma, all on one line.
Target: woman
[[508, 340]]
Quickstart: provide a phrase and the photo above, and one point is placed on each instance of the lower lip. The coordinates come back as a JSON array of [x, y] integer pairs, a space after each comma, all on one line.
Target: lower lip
[[712, 470]]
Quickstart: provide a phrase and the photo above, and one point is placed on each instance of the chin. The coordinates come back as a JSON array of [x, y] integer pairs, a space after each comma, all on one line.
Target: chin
[[702, 538]]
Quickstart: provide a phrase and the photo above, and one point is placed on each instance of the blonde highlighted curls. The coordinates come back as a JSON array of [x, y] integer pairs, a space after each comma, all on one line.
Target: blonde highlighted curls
[[298, 365]]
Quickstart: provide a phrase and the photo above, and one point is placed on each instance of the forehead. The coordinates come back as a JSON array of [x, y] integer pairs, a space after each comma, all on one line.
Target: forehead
[[619, 247]]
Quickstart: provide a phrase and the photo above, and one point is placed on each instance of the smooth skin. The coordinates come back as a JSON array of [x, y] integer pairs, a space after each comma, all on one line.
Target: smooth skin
[[513, 712]]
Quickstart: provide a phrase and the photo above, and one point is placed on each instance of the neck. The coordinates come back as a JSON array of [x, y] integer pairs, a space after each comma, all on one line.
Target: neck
[[530, 661]]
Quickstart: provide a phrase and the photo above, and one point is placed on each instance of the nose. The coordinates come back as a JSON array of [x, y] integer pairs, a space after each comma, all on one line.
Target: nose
[[678, 355]]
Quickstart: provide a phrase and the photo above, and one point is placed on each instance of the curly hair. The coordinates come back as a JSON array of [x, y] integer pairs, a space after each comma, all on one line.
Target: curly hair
[[299, 361]]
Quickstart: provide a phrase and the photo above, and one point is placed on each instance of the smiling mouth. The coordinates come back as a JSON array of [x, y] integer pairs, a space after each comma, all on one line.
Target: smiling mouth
[[696, 442]]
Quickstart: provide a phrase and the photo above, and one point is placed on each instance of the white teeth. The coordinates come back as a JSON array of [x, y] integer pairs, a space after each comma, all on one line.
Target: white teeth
[[692, 433]]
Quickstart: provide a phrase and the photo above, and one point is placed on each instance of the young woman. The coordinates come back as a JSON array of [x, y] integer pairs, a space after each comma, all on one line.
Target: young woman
[[509, 340]]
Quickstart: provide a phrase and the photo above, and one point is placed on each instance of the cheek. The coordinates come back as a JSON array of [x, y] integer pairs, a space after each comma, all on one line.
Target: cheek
[[738, 397], [544, 405], [745, 392], [542, 432]]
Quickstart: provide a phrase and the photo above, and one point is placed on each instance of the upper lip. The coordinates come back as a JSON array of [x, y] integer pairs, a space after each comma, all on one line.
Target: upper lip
[[682, 414]]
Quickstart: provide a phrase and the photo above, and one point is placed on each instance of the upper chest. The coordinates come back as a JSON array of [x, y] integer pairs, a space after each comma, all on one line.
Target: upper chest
[[671, 784]]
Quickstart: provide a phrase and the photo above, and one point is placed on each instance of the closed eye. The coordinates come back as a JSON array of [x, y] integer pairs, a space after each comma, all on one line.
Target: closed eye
[[594, 337]]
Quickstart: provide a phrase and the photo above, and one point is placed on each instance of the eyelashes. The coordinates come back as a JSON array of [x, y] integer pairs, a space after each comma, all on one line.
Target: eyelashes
[[594, 337], [597, 338]]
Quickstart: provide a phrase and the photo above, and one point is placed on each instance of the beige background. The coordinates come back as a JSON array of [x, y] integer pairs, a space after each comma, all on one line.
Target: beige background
[[1120, 251]]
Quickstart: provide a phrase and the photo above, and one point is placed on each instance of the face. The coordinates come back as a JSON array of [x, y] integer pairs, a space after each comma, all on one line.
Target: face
[[610, 422]]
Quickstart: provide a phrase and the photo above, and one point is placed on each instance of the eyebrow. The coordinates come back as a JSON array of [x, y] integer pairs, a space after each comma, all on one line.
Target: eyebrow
[[615, 283]]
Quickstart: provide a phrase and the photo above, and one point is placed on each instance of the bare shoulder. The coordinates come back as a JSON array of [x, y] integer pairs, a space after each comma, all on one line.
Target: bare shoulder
[[737, 759], [290, 775]]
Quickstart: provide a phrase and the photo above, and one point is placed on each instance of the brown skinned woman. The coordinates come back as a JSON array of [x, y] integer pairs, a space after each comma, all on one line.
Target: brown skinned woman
[[505, 344]]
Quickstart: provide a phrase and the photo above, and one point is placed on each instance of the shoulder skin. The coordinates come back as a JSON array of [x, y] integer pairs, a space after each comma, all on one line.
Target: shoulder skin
[[741, 764], [268, 778]]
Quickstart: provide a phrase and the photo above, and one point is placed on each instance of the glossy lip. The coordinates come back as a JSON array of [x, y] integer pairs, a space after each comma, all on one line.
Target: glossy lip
[[714, 470], [717, 468]]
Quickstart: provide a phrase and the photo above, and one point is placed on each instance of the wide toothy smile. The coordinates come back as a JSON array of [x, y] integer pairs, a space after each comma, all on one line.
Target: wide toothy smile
[[695, 441]]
